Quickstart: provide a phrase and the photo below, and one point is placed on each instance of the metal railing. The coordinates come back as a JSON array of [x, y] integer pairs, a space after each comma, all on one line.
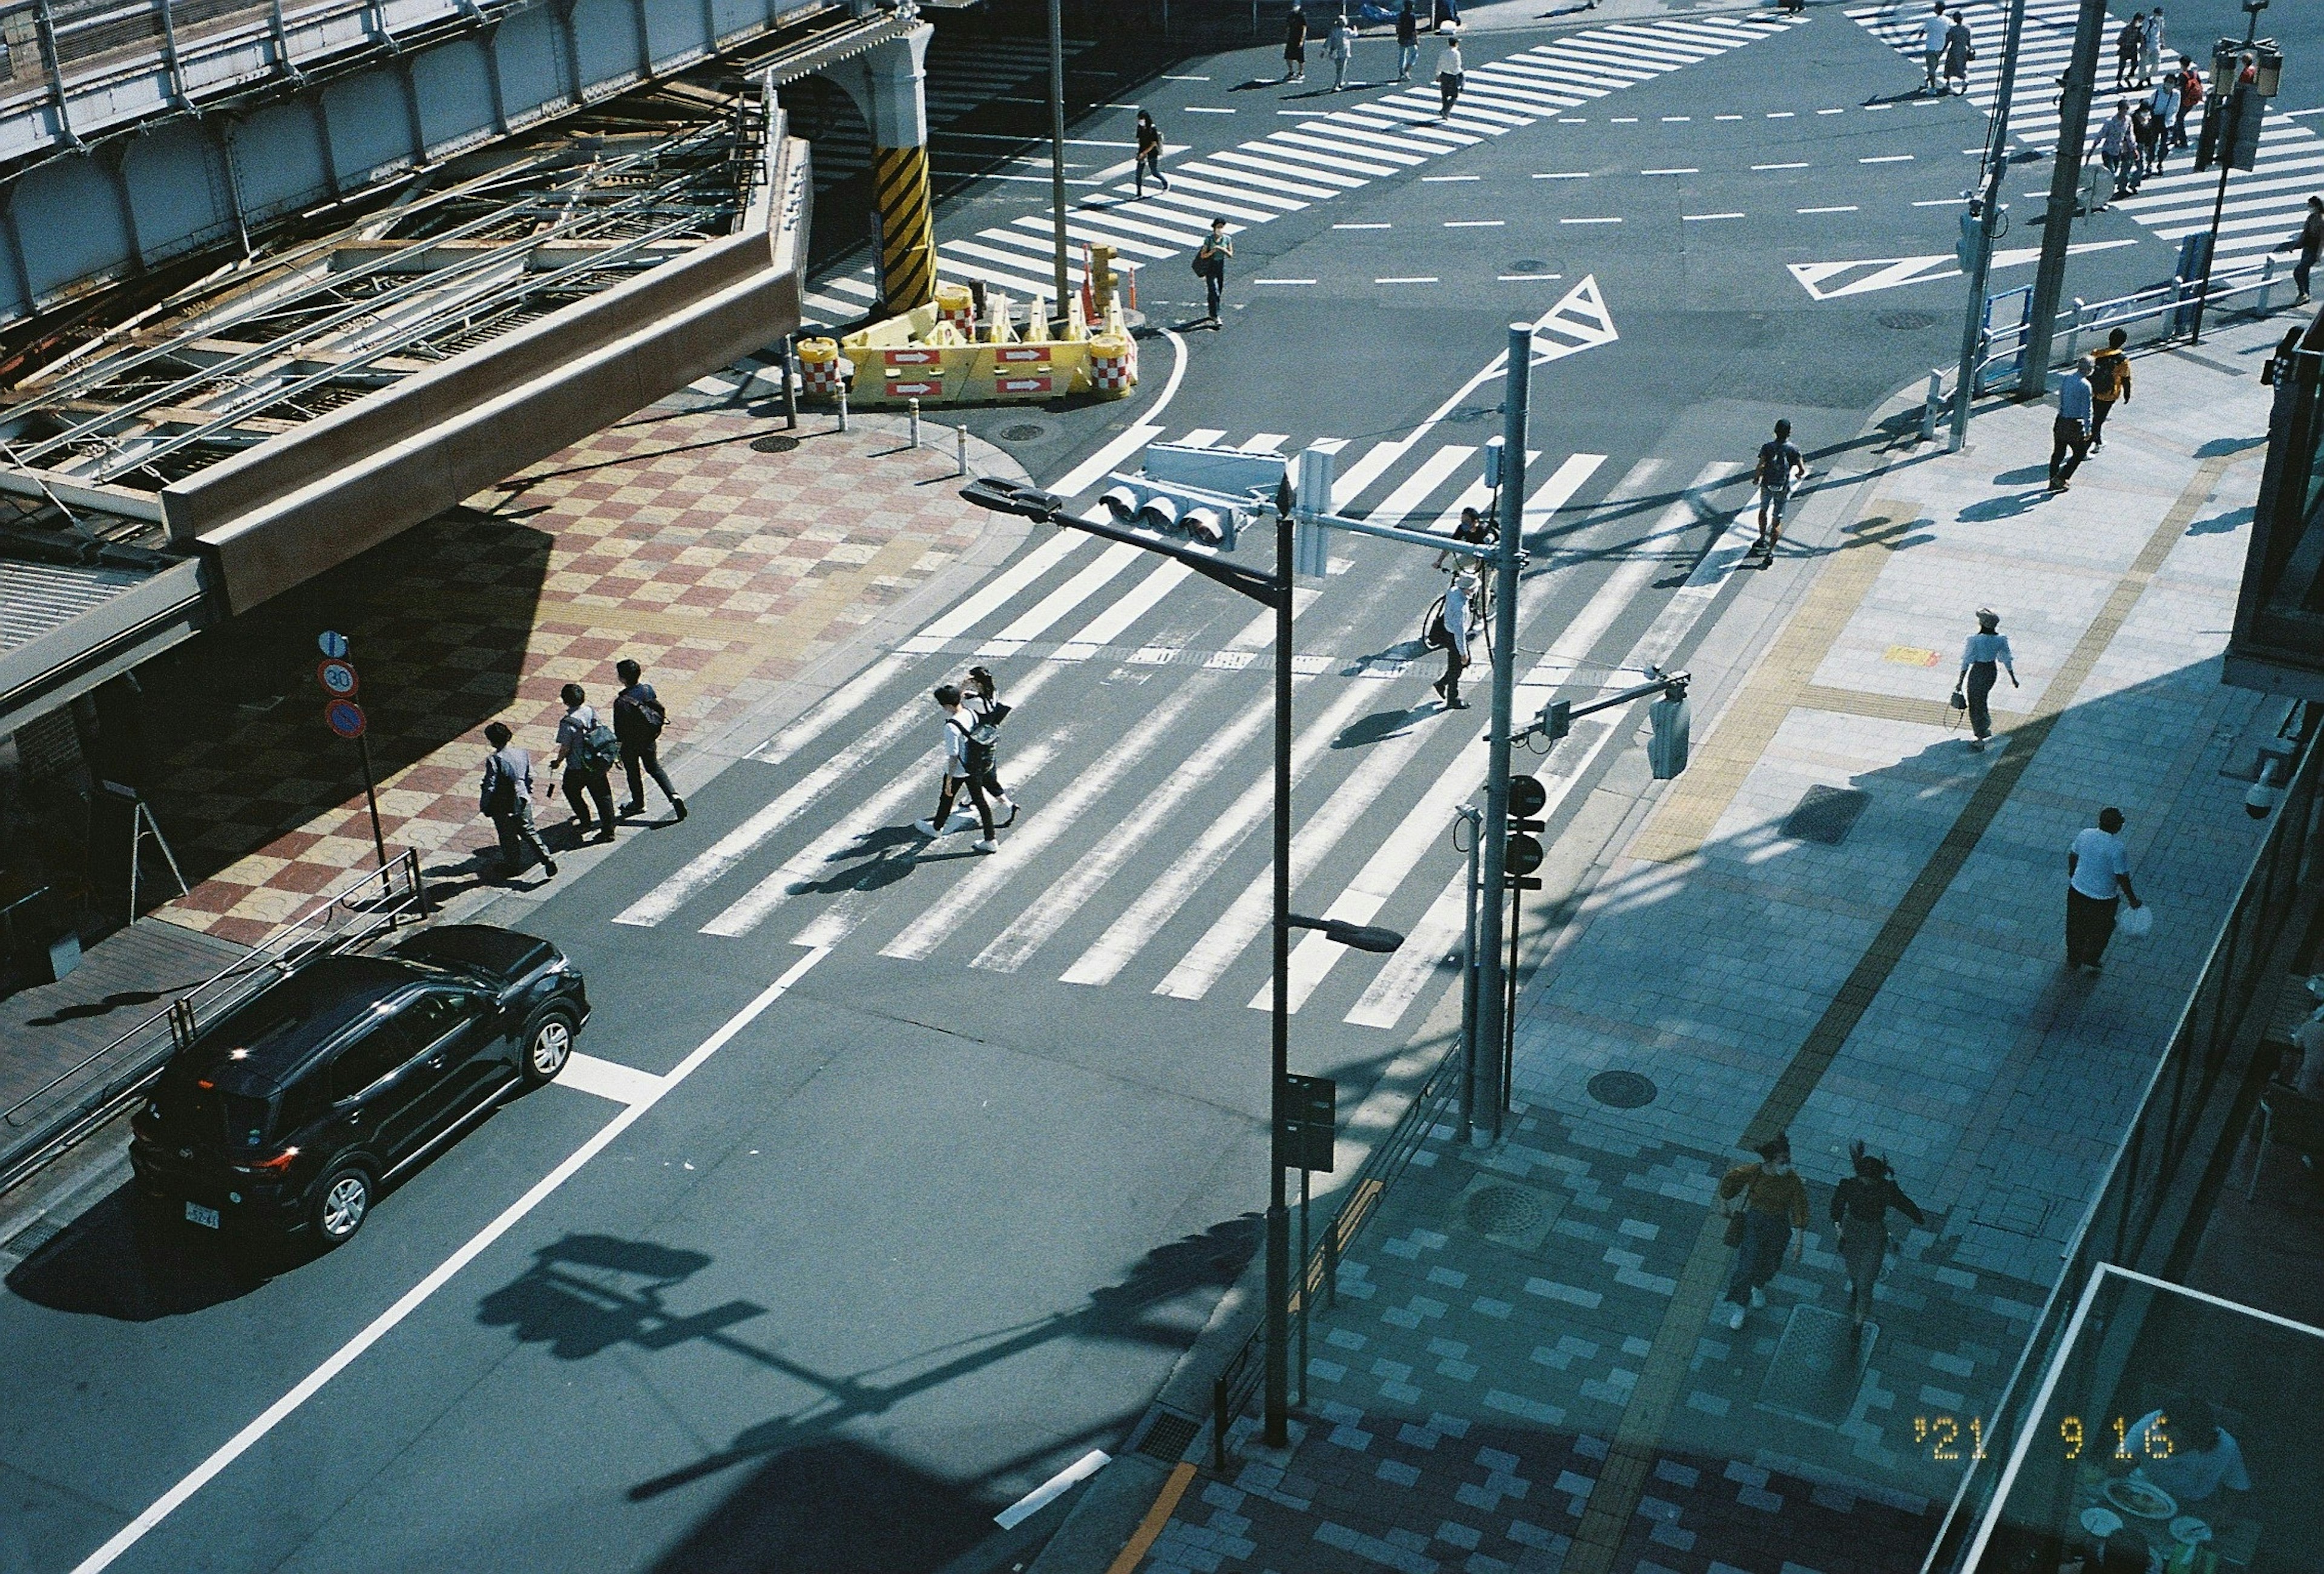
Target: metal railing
[[350, 915], [2184, 1127], [1437, 1101]]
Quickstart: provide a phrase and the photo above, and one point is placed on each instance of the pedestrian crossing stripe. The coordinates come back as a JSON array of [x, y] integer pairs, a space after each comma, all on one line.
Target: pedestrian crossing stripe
[[1315, 159], [2265, 206]]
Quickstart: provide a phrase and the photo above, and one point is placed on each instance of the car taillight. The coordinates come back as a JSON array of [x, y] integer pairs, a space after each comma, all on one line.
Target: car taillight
[[273, 1166]]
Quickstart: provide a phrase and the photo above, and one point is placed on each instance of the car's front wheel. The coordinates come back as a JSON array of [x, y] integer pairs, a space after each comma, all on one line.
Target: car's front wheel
[[342, 1202], [548, 1046]]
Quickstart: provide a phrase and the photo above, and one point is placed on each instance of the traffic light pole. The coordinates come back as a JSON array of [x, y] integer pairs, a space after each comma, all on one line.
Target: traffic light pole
[[2065, 185], [2231, 128], [1491, 1008], [1278, 1223], [1997, 164]]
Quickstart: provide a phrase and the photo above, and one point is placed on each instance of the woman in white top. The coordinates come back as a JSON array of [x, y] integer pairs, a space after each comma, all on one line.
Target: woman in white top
[[1448, 72], [1342, 47], [1983, 659]]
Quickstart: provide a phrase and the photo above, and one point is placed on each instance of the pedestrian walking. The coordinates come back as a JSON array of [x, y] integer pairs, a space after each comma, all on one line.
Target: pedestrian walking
[[1450, 72], [2109, 384], [2146, 137], [638, 721], [1860, 1210], [2097, 882], [2069, 434], [1446, 14], [1933, 29], [2190, 99], [2150, 49], [1342, 47], [1408, 40], [506, 796], [1961, 49], [2166, 104], [1149, 153], [981, 699], [958, 775], [1211, 265], [1294, 45], [2128, 45], [587, 749], [1765, 1203], [1780, 464], [1983, 658], [2308, 242], [2117, 143], [1448, 631]]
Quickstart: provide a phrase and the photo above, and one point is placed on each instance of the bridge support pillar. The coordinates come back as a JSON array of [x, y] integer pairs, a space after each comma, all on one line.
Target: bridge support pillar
[[888, 83]]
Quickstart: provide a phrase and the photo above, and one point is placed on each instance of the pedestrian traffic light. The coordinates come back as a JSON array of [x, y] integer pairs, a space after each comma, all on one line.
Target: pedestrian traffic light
[[1666, 742], [1522, 853], [1556, 719], [1964, 245]]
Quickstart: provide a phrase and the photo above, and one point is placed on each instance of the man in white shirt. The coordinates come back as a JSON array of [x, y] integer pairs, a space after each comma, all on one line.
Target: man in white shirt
[[2190, 1456], [2097, 880], [1935, 25], [957, 726]]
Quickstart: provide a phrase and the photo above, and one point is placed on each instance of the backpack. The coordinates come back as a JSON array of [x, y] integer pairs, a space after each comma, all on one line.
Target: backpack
[[2105, 376], [598, 750], [1432, 631], [647, 709]]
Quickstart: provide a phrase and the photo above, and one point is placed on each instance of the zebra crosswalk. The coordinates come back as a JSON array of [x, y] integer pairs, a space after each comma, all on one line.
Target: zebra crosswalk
[[1316, 159], [2263, 206], [1183, 757]]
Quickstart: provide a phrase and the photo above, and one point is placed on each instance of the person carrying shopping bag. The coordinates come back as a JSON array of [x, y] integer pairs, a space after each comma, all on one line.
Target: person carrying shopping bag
[[1766, 1207]]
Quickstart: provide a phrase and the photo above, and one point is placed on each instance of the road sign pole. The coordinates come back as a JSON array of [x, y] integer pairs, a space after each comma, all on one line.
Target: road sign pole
[[1491, 1016], [371, 796]]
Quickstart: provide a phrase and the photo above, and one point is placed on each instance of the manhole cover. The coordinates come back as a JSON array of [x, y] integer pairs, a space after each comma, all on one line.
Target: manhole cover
[[1622, 1090], [1503, 1211], [1906, 321], [1024, 432], [773, 445], [1825, 814], [1528, 265]]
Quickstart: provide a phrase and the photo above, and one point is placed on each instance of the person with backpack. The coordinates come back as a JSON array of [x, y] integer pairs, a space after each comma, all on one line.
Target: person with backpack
[[506, 796], [958, 773], [1859, 1208], [2308, 242], [981, 699], [2190, 99], [1294, 45], [2128, 44], [586, 747], [2110, 382], [1961, 49], [2165, 104], [1448, 631], [1210, 267], [638, 721], [1450, 73], [1408, 40], [1780, 464], [1149, 153]]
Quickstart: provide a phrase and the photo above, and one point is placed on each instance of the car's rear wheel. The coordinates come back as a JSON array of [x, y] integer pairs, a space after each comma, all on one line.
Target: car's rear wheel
[[342, 1202], [548, 1046]]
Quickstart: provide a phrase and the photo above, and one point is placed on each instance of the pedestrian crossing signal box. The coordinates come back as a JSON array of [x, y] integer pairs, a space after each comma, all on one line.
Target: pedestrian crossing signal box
[[1308, 1135], [2244, 77]]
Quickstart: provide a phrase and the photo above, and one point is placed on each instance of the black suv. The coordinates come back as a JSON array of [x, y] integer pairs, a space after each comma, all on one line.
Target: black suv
[[291, 1111]]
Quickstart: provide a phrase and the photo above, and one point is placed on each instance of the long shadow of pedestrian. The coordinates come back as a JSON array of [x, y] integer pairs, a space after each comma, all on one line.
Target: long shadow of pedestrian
[[2006, 508]]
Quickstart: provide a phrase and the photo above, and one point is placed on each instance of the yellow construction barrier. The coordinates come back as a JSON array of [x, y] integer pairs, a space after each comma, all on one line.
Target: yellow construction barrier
[[821, 372], [938, 354]]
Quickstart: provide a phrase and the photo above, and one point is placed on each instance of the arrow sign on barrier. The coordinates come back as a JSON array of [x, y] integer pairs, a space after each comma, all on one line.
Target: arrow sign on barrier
[[1017, 352], [913, 357], [1892, 273], [915, 390], [1023, 385]]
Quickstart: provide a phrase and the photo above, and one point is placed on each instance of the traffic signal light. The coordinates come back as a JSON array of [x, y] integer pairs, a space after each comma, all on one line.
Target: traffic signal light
[[1964, 245], [1522, 854], [1666, 744], [1556, 719]]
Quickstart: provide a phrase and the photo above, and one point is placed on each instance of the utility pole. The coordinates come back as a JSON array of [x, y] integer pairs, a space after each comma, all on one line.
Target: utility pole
[[2065, 186], [1987, 215], [1507, 557], [2245, 98], [1057, 146], [1278, 1219]]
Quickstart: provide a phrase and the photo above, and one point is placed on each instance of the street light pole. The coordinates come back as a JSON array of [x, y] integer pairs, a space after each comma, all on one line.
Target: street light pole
[[1997, 164], [1057, 143], [1491, 1095], [2065, 186], [1278, 1219]]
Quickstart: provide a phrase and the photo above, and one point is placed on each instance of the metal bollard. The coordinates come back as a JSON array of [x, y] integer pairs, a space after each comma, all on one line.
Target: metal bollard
[[2266, 284], [1933, 405], [2074, 333], [791, 383], [916, 423], [843, 407], [960, 451]]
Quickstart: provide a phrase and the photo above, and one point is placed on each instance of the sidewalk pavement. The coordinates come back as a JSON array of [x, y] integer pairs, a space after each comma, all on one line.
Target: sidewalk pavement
[[1842, 922]]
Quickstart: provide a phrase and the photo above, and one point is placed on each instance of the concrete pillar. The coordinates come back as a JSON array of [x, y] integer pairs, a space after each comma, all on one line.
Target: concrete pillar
[[888, 83]]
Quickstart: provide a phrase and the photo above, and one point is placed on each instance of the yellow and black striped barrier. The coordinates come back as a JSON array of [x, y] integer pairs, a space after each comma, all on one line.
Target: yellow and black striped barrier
[[907, 238]]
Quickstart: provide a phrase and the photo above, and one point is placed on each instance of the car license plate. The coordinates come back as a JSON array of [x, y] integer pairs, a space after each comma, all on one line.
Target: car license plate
[[208, 1217]]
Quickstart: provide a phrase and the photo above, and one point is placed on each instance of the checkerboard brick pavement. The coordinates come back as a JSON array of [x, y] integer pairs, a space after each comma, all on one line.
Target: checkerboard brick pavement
[[1471, 1389], [667, 538]]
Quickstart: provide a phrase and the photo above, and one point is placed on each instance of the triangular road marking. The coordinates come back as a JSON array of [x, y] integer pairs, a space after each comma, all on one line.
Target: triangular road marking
[[1578, 322], [1891, 272]]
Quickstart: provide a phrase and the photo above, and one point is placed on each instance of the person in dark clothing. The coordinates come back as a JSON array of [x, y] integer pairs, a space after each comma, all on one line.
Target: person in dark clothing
[[979, 698], [1294, 46], [1408, 40], [585, 772], [1149, 153], [507, 796], [1211, 261], [2308, 242], [1860, 1207], [2190, 99], [2127, 43], [638, 721]]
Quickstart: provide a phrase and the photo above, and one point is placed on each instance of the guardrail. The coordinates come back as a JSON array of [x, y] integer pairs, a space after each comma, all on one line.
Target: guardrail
[[1231, 1390], [2186, 1125], [347, 915]]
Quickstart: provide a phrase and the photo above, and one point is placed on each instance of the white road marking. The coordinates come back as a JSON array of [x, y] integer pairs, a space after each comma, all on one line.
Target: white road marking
[[1517, 277], [834, 707], [1706, 218], [1688, 169], [411, 1300], [1036, 620], [1791, 166], [1589, 221], [1108, 625], [1421, 485], [989, 597], [1417, 279], [1563, 175], [1849, 207], [1041, 1497], [1475, 222], [585, 1074], [1883, 158]]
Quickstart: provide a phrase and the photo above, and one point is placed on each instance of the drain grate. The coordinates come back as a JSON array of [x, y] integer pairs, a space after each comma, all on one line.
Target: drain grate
[[1826, 814], [1528, 265], [1906, 321], [1169, 1436], [775, 445], [34, 1236], [1024, 432], [1622, 1090], [1503, 1211]]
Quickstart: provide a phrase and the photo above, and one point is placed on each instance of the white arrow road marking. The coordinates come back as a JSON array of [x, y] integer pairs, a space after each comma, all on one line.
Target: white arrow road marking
[[1889, 272]]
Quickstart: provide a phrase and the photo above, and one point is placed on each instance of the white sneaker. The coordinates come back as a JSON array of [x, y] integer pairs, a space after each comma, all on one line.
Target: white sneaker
[[1735, 1318], [1005, 803], [927, 827], [1758, 1297], [987, 846]]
